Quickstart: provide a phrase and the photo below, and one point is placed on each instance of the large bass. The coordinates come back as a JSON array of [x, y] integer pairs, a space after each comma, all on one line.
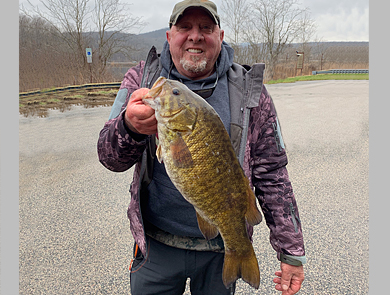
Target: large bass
[[199, 159]]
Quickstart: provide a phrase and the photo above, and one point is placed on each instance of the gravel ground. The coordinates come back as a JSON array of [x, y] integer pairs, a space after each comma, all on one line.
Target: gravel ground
[[74, 233]]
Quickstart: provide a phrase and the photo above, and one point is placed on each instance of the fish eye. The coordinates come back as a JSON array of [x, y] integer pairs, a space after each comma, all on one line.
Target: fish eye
[[175, 91]]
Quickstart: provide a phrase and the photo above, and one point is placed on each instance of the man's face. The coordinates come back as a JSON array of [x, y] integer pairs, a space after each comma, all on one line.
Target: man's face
[[195, 43]]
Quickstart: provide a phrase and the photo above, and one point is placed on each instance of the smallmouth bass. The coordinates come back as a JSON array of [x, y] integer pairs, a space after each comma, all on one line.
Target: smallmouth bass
[[199, 159]]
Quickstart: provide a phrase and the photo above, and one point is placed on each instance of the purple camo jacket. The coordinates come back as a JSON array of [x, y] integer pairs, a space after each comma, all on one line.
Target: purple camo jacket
[[264, 164]]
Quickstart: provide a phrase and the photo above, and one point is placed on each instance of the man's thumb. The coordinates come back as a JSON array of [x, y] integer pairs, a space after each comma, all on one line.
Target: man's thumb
[[285, 280]]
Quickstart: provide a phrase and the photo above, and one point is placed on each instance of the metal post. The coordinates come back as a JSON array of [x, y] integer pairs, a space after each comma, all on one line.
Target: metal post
[[300, 59], [90, 70], [89, 60]]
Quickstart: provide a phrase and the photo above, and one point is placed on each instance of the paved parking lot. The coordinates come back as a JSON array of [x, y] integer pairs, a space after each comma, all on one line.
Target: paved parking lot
[[74, 233]]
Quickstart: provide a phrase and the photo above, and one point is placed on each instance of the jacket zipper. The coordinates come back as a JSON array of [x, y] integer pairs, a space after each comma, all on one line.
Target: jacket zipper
[[277, 139], [294, 217]]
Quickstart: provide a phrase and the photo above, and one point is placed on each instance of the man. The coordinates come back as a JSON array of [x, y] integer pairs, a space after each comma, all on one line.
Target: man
[[169, 247]]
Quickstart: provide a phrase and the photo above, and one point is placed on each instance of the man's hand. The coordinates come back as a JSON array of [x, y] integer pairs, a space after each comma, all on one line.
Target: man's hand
[[139, 117], [289, 279]]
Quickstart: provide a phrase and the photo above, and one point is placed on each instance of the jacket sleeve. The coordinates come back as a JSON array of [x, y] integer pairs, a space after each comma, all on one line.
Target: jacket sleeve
[[118, 147], [271, 181]]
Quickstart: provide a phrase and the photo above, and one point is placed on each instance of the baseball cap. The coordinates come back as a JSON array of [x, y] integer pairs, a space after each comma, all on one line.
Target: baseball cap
[[180, 7]]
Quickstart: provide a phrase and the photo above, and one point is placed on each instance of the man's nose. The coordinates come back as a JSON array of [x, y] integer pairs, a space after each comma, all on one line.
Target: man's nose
[[195, 35]]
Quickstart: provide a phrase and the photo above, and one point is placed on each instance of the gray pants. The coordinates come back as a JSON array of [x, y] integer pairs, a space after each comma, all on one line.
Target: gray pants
[[166, 269]]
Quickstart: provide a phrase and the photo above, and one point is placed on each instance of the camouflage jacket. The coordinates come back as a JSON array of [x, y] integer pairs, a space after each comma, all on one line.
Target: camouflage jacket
[[256, 138]]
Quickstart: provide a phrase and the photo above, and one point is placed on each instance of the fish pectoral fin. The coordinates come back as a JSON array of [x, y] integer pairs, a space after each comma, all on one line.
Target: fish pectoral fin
[[252, 215], [181, 155], [209, 231]]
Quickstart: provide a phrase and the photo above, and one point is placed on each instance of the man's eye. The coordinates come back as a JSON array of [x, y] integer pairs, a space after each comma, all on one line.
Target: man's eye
[[207, 28], [183, 27]]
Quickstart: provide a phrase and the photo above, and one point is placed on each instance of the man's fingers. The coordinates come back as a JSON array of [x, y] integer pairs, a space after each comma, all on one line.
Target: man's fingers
[[278, 273], [136, 105], [139, 94], [285, 282], [140, 117], [284, 279], [141, 111], [289, 279], [145, 126]]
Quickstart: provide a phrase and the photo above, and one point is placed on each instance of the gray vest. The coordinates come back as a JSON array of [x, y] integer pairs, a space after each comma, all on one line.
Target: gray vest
[[245, 86]]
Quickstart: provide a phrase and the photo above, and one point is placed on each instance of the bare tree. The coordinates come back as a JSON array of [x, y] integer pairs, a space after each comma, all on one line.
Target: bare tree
[[112, 20], [75, 21], [234, 15], [69, 18], [268, 27], [281, 23], [247, 49], [44, 59], [307, 31]]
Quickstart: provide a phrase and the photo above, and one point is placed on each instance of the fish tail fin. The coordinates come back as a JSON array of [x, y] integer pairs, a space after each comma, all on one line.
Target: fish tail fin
[[244, 266], [252, 215]]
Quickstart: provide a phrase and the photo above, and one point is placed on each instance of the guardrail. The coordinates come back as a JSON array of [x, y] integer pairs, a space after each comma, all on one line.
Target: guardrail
[[73, 87], [353, 71]]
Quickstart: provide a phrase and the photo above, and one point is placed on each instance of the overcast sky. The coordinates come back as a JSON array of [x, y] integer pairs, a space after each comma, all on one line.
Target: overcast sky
[[337, 20]]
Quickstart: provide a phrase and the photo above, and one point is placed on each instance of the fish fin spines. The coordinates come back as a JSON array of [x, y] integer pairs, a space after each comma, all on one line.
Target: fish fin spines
[[245, 267], [208, 230]]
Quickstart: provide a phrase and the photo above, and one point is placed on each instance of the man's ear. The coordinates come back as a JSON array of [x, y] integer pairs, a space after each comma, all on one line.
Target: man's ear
[[221, 34], [168, 34]]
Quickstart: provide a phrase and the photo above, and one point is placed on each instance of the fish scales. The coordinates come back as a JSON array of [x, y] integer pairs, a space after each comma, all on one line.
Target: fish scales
[[199, 159]]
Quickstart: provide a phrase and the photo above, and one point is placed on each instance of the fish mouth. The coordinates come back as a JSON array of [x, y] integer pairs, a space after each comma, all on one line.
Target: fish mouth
[[156, 91], [157, 87]]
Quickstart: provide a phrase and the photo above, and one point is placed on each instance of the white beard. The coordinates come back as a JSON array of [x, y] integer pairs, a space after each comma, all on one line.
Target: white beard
[[195, 66]]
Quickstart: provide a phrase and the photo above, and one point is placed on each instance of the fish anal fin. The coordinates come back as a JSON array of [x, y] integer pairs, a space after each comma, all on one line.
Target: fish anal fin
[[244, 266], [252, 215], [208, 230], [159, 154], [181, 155]]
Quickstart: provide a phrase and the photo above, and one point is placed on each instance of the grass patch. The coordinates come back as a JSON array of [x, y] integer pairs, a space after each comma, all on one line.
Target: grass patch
[[108, 92], [321, 77], [48, 89], [78, 96], [54, 100]]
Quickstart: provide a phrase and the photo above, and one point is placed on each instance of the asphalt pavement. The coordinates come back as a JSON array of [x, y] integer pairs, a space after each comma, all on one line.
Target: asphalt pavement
[[74, 232]]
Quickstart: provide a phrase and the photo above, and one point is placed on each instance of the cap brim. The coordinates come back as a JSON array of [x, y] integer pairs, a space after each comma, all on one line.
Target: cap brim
[[181, 12]]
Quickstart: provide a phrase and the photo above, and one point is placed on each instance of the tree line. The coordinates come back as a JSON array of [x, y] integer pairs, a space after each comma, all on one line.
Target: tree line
[[55, 38], [53, 41], [268, 28]]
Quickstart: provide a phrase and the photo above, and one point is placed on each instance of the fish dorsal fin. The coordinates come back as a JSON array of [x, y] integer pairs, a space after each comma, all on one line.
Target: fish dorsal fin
[[208, 230]]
